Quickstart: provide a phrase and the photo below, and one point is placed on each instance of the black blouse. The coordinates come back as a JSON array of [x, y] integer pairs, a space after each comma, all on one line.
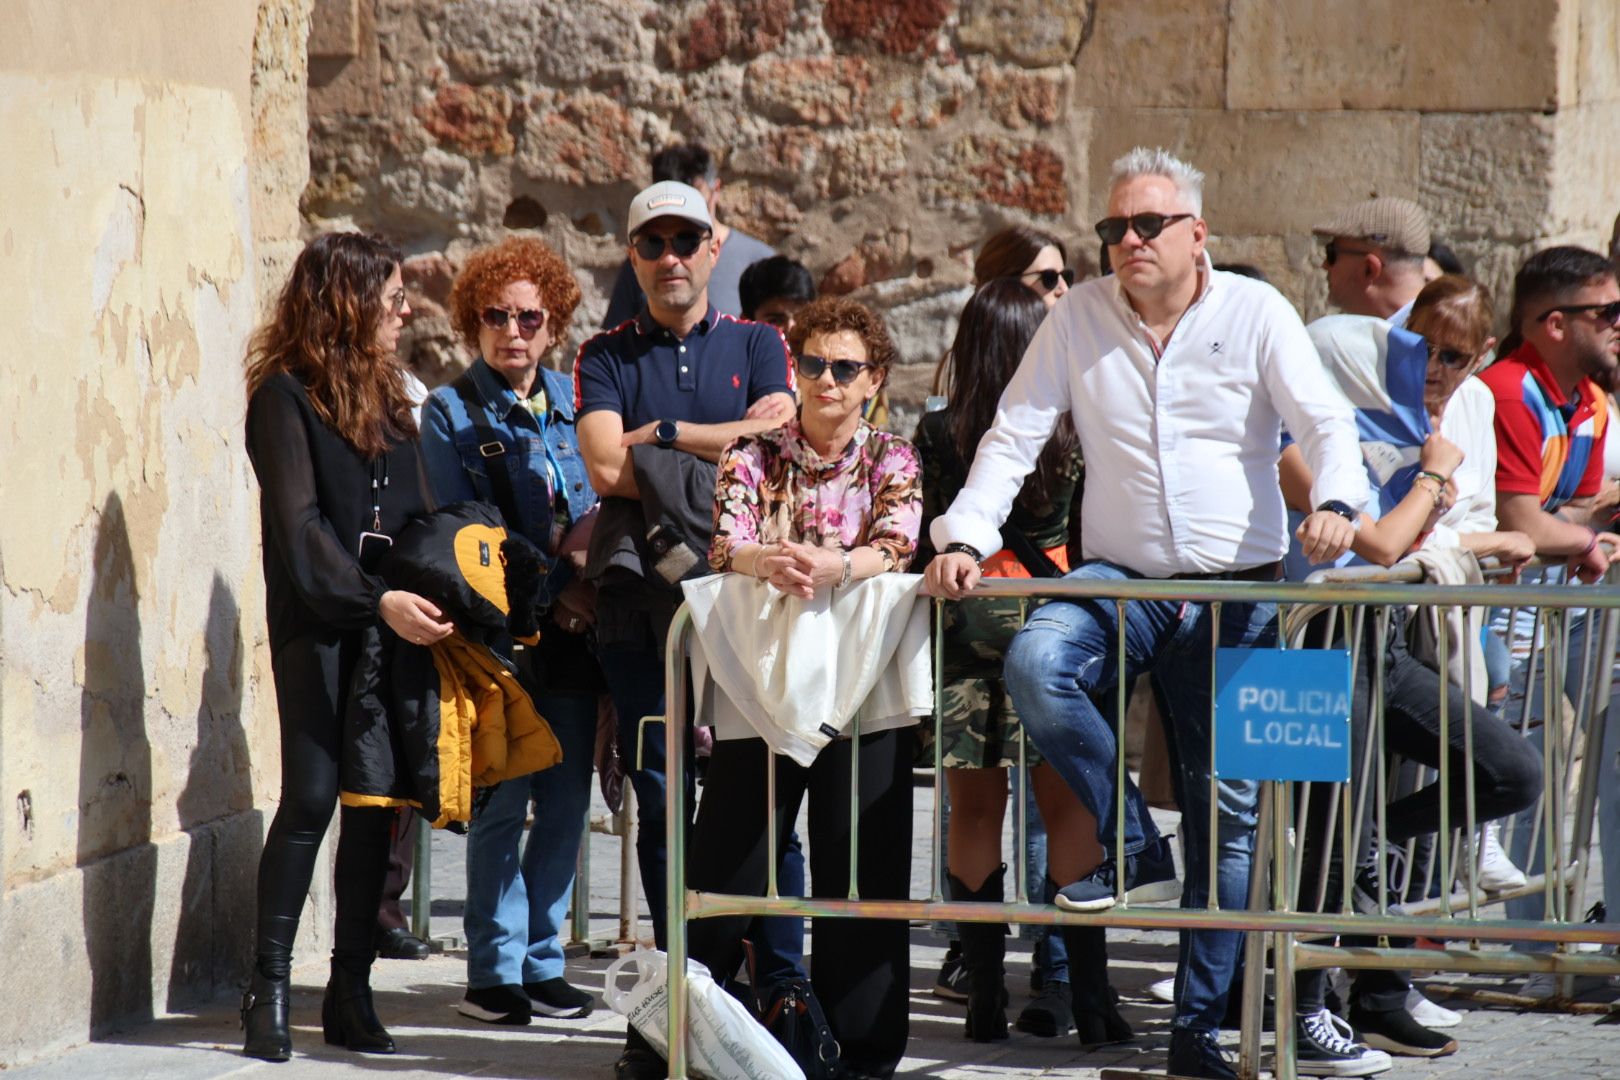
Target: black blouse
[[315, 500]]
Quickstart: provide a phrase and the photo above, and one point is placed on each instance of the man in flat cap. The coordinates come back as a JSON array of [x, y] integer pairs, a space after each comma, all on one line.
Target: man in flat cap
[[1374, 257]]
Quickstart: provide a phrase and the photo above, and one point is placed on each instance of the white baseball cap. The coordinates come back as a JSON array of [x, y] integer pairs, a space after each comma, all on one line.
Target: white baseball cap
[[668, 198]]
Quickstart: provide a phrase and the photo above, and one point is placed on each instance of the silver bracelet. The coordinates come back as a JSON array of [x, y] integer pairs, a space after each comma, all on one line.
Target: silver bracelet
[[849, 568]]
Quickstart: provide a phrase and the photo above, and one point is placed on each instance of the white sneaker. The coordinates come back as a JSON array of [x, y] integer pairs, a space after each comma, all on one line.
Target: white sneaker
[[1539, 986], [1496, 870], [1164, 990], [1429, 1014]]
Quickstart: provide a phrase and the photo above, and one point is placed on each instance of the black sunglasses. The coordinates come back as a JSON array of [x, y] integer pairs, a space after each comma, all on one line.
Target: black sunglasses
[[1609, 313], [684, 243], [1049, 278], [843, 371], [528, 320], [1451, 358], [1332, 251], [1112, 230]]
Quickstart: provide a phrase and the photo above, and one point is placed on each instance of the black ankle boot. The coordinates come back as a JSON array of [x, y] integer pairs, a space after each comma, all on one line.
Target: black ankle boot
[[347, 1016], [984, 952], [264, 1017], [1096, 1016]]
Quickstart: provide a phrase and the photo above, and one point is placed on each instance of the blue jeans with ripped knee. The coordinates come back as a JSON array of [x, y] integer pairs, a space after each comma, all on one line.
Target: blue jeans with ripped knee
[[1062, 673]]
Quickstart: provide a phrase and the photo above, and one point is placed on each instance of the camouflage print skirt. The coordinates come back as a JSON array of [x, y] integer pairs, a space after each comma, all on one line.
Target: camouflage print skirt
[[980, 725]]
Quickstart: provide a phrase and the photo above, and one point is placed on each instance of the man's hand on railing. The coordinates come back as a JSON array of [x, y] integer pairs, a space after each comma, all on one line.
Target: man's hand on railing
[[1324, 536], [951, 575], [1591, 564]]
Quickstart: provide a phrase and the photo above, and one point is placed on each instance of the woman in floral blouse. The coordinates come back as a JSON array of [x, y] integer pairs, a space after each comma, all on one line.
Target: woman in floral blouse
[[822, 501]]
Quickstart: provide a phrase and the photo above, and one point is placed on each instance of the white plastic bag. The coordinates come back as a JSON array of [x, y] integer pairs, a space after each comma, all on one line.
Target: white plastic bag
[[723, 1041]]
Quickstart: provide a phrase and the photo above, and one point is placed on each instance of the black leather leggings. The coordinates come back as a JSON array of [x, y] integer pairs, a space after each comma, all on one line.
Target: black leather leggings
[[311, 688]]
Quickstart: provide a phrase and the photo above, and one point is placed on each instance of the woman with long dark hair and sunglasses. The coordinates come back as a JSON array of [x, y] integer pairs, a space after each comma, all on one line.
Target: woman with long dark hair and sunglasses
[[503, 432], [1034, 258], [330, 435], [980, 725], [824, 500]]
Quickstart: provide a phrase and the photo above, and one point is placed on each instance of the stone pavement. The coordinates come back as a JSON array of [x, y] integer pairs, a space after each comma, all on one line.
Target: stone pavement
[[417, 1001]]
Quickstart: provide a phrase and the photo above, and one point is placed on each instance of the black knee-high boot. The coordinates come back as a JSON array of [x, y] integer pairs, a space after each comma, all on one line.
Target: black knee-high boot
[[984, 953], [1096, 1018]]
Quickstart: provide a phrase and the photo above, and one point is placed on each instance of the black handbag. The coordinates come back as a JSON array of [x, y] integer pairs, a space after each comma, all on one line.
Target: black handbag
[[796, 1020]]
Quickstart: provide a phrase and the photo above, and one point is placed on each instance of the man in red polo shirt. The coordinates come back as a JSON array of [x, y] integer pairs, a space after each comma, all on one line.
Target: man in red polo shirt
[[1551, 419]]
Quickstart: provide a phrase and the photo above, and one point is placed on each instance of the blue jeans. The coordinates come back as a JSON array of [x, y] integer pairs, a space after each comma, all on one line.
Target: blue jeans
[[517, 901], [635, 678], [1063, 663]]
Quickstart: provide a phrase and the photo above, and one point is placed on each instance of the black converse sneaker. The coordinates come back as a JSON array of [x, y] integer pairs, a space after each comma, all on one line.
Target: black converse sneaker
[[1325, 1048]]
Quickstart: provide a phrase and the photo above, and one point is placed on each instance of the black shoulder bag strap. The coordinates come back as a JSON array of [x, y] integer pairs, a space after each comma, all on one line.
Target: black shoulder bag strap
[[490, 447], [1036, 561]]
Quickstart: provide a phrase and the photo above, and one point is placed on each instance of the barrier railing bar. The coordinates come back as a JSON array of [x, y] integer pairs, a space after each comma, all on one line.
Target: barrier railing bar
[[1443, 837], [675, 892], [1122, 701], [1152, 917], [1214, 792], [939, 755], [1471, 844], [1021, 822]]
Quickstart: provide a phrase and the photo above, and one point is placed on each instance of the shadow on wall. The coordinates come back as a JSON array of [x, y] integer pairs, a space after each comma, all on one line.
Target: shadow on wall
[[115, 853], [212, 939]]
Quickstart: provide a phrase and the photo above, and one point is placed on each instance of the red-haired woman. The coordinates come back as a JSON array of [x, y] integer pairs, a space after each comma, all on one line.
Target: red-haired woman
[[330, 435]]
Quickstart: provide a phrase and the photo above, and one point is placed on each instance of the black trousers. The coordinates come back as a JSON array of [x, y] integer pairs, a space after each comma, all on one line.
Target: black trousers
[[401, 859], [1507, 778], [312, 679], [859, 967]]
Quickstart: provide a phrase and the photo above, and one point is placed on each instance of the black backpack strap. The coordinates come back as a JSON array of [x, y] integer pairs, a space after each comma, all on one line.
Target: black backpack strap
[[490, 447], [1036, 561]]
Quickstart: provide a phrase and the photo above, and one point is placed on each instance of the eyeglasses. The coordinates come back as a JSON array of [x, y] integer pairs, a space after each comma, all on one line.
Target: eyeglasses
[[684, 244], [1456, 359], [1146, 226], [396, 302], [1331, 253], [843, 371], [529, 320], [1050, 278], [1609, 313]]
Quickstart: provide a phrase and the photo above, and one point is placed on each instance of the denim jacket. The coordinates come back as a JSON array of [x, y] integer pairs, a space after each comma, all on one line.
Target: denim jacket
[[458, 469]]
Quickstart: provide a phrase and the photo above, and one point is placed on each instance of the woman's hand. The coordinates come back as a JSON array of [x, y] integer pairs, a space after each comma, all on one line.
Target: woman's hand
[[1440, 455], [414, 618]]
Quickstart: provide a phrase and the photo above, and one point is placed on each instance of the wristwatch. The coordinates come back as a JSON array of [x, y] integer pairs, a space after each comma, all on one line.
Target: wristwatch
[[965, 549], [666, 433], [1334, 506]]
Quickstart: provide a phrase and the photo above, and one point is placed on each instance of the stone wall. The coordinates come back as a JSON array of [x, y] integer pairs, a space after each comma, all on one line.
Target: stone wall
[[154, 156], [882, 140]]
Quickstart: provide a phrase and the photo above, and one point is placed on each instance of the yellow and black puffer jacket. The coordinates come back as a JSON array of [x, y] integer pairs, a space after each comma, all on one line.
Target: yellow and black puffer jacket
[[426, 725]]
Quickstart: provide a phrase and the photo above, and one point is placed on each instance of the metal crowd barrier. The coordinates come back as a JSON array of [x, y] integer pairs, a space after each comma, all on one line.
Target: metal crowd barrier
[[621, 824], [1271, 916]]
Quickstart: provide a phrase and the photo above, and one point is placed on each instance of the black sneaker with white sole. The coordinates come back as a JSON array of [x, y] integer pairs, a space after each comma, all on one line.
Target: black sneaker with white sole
[[1325, 1048], [1150, 877], [556, 998], [952, 982], [1396, 1032], [503, 1004]]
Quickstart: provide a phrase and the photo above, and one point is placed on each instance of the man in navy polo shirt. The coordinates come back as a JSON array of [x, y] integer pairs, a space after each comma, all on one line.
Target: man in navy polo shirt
[[685, 377]]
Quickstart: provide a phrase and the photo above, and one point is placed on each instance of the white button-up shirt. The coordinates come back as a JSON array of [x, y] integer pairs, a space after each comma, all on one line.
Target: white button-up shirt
[[1180, 448]]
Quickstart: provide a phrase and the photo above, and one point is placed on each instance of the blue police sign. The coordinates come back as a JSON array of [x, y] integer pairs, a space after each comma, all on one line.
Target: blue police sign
[[1282, 714]]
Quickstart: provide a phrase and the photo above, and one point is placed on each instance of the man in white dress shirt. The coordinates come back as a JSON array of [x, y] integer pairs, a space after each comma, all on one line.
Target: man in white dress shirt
[[1179, 379]]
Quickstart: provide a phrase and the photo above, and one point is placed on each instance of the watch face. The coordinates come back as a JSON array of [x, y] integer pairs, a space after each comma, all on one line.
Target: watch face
[[665, 432]]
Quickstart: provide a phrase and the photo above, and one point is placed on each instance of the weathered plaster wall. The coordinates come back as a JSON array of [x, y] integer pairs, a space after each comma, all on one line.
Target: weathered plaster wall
[[153, 159], [881, 140]]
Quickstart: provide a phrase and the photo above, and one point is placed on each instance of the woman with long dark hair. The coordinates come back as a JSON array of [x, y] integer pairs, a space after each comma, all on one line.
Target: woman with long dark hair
[[1035, 258], [332, 441], [980, 726]]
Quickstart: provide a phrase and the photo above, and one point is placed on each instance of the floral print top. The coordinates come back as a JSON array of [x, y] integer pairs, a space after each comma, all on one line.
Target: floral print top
[[773, 486]]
